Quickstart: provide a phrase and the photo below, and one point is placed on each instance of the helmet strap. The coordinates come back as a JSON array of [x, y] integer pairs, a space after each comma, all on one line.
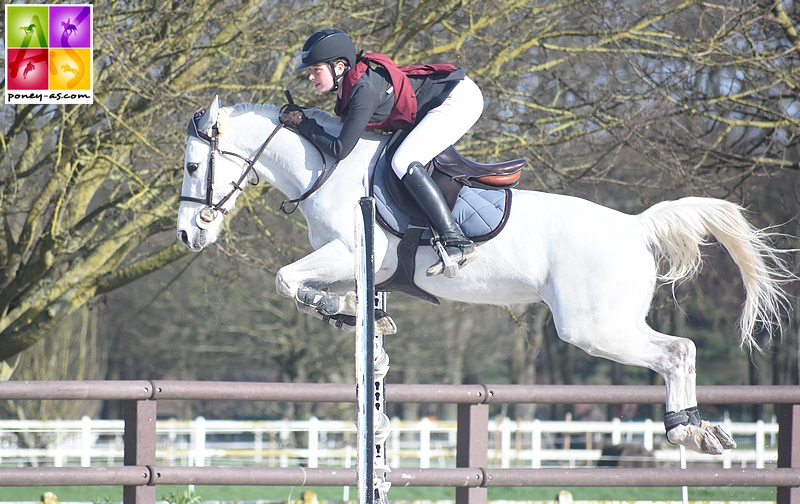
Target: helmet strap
[[335, 77]]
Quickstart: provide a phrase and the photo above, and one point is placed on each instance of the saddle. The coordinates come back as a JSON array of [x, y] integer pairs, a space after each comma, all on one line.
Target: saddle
[[479, 193], [451, 171]]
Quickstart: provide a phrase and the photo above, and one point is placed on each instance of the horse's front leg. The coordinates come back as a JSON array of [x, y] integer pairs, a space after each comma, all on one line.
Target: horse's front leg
[[316, 283]]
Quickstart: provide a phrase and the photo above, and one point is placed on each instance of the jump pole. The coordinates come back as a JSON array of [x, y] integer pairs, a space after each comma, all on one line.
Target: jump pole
[[372, 364]]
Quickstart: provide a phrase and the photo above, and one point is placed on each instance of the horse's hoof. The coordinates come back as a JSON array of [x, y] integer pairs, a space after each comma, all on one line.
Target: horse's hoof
[[696, 439], [710, 444], [384, 323], [725, 439], [677, 436], [348, 303]]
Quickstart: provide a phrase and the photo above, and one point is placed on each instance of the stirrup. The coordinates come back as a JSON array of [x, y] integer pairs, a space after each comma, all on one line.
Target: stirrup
[[450, 264]]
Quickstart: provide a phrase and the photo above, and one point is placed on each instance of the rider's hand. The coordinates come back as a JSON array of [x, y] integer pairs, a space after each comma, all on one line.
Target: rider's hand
[[292, 115]]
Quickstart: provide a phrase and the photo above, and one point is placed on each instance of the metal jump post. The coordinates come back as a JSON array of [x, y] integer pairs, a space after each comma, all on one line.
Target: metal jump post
[[372, 364]]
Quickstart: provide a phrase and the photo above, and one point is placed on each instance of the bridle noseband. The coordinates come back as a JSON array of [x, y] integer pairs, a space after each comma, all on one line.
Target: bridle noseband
[[212, 210]]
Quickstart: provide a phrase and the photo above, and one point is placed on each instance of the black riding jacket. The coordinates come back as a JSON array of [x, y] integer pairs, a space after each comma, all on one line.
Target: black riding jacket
[[371, 100]]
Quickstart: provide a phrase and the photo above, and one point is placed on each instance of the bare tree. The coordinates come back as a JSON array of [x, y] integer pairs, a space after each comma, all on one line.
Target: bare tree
[[624, 102], [87, 190]]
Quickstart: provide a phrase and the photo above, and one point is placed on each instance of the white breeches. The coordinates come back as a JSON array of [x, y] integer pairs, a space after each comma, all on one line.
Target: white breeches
[[441, 127]]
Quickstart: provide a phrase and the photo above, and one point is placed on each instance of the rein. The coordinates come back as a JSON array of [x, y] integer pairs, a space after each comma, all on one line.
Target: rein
[[324, 176], [211, 211]]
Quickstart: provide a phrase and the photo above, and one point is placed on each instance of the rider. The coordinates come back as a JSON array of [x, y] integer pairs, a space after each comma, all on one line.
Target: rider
[[428, 108]]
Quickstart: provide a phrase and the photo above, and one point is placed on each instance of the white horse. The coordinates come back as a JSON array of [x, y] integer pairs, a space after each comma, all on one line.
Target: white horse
[[596, 268]]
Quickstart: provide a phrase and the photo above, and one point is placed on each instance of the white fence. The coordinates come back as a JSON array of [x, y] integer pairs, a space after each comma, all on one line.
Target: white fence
[[318, 443]]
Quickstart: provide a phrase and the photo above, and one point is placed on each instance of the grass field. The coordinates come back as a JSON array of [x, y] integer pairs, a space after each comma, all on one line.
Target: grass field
[[103, 494]]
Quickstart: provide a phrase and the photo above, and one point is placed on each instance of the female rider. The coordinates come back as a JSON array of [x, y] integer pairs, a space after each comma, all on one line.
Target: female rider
[[432, 107]]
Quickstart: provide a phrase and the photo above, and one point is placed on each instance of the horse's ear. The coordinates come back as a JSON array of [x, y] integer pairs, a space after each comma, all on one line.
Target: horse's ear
[[213, 110], [209, 119]]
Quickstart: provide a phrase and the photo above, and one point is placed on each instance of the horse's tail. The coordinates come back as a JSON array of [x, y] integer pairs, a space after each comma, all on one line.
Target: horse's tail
[[676, 229]]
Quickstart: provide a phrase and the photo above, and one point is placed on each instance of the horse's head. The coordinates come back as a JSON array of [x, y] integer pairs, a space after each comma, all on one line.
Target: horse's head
[[223, 154], [212, 179]]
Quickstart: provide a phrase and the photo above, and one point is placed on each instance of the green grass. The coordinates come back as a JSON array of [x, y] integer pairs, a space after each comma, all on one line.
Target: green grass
[[240, 493]]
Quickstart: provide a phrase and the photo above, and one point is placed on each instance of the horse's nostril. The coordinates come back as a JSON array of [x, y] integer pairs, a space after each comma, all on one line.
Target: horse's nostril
[[184, 236]]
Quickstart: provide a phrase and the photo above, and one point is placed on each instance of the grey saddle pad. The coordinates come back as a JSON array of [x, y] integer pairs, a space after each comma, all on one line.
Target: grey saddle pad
[[481, 213]]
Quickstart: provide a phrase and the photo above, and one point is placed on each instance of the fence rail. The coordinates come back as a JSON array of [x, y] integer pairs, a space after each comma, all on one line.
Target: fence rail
[[141, 473], [329, 443], [474, 478]]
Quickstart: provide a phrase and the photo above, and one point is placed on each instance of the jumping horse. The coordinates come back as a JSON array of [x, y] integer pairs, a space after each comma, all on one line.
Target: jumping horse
[[595, 267]]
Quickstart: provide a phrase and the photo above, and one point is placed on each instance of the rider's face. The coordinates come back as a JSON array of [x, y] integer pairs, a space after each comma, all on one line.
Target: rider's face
[[321, 77]]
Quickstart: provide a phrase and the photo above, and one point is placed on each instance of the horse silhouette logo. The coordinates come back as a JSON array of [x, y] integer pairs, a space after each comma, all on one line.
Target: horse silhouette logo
[[28, 29], [28, 68], [68, 69], [69, 28]]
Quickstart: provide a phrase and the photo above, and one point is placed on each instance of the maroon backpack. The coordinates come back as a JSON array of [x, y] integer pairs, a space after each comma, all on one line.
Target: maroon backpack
[[404, 112]]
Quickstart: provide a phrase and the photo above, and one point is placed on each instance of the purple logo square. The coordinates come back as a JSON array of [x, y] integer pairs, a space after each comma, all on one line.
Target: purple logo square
[[70, 26]]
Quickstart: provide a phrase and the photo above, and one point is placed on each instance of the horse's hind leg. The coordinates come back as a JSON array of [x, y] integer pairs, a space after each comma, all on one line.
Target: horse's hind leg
[[603, 312], [674, 359], [677, 364]]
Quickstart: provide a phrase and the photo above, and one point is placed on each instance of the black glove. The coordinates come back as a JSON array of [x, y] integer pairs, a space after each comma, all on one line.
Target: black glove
[[292, 116]]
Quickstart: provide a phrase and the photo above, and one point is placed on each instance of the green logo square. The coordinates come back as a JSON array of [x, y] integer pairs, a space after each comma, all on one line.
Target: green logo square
[[26, 26]]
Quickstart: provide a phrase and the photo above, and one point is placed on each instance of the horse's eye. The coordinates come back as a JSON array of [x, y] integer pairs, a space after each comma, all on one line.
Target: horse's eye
[[192, 167]]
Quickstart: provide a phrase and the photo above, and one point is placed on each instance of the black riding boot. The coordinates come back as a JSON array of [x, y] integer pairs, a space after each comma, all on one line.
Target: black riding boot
[[459, 249]]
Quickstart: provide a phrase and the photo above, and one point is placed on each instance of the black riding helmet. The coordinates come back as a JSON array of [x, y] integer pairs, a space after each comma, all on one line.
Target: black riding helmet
[[326, 46]]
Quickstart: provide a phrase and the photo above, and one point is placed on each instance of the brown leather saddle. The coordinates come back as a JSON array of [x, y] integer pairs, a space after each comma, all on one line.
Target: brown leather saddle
[[451, 171]]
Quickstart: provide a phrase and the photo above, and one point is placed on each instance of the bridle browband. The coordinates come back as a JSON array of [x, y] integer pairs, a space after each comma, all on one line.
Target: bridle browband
[[212, 140]]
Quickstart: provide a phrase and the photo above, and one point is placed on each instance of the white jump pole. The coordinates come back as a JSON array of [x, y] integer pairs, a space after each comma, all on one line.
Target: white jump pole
[[371, 421]]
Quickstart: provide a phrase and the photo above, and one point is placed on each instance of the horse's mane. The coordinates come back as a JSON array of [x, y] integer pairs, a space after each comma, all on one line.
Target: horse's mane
[[324, 119], [331, 123]]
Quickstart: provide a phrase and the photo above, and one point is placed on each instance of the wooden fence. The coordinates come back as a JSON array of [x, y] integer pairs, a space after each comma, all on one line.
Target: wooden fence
[[420, 443], [472, 475]]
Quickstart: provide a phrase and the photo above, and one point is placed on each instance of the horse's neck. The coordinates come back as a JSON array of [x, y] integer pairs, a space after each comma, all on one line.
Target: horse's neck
[[293, 164], [280, 165]]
